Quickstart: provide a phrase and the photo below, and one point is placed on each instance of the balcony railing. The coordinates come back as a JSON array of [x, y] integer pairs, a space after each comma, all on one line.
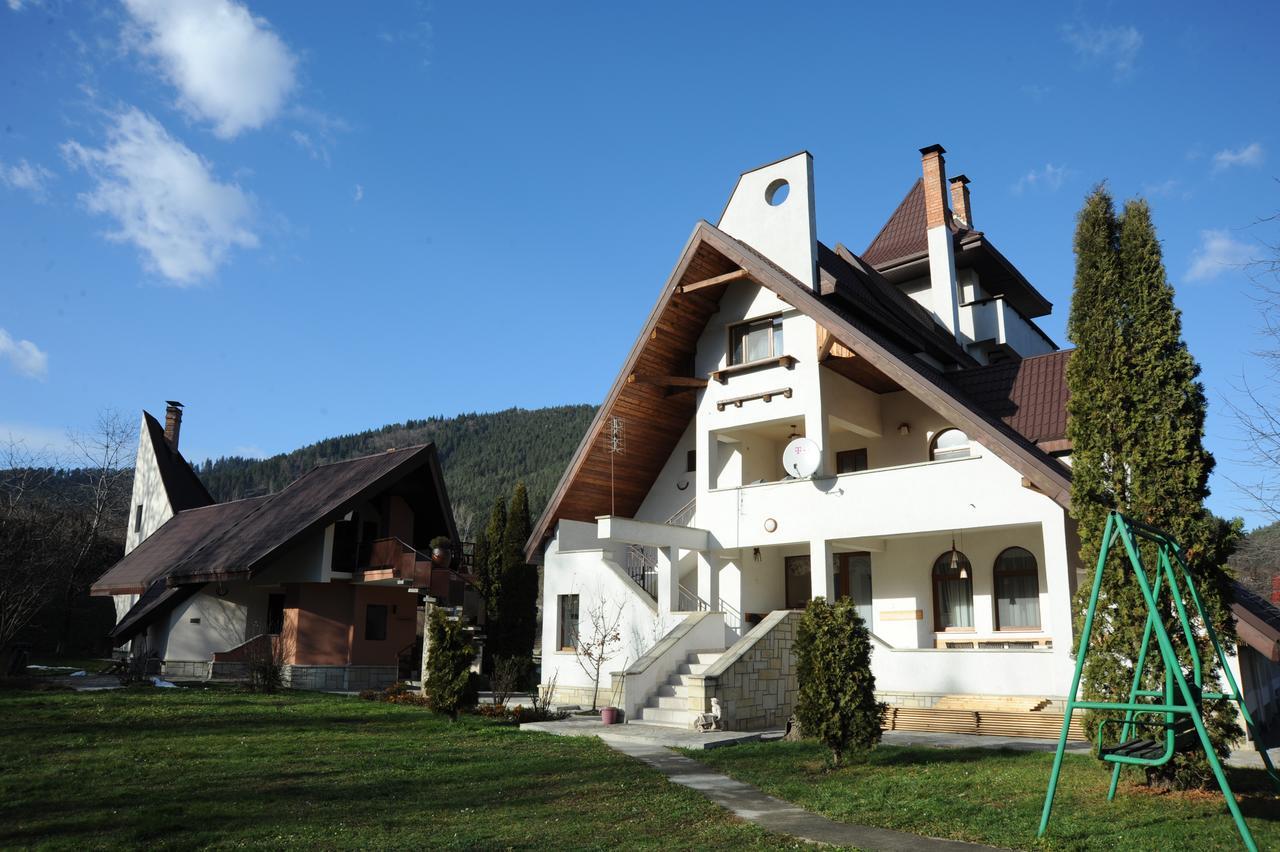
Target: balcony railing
[[642, 561], [411, 567]]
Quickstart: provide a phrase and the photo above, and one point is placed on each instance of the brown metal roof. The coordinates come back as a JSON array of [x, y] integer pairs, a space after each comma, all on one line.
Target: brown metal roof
[[184, 488], [1030, 395], [157, 600], [904, 234], [181, 534], [1257, 622], [315, 499]]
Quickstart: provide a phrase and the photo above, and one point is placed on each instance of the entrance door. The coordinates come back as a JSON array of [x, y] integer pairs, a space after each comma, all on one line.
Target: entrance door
[[853, 580], [799, 586]]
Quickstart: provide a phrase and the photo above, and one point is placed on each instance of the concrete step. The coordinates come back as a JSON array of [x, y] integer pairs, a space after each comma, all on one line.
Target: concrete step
[[682, 718], [672, 689], [692, 668], [669, 702], [675, 725], [706, 658]]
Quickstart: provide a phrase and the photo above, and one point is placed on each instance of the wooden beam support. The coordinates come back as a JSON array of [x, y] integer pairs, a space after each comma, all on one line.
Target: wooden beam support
[[735, 275]]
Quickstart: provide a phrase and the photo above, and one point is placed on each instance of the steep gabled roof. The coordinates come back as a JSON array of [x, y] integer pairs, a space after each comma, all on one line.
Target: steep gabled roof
[[669, 338], [177, 537], [184, 488], [314, 500], [1030, 396], [902, 245]]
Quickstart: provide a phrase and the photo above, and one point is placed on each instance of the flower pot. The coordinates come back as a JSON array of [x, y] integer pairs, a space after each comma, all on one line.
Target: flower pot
[[441, 557], [609, 715]]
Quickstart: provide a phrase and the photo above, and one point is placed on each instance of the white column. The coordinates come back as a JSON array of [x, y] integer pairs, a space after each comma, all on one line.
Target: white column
[[668, 582], [709, 580], [1057, 620], [820, 568]]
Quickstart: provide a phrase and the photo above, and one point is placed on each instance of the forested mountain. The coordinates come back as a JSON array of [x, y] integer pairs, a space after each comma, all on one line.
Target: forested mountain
[[483, 456]]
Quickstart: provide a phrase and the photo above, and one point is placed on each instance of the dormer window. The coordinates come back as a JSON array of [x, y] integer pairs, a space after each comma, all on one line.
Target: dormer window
[[949, 444], [755, 341]]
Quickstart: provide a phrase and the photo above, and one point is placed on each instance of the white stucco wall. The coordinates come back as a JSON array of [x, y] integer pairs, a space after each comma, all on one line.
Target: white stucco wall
[[148, 492], [223, 621]]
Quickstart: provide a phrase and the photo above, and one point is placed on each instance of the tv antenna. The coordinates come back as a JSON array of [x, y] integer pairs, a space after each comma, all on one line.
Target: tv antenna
[[616, 445]]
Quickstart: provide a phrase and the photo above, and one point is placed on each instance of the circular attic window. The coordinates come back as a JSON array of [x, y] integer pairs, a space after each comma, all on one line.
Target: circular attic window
[[777, 192]]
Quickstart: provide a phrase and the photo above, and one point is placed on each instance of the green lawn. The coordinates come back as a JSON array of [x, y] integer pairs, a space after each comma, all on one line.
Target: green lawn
[[995, 797], [180, 768]]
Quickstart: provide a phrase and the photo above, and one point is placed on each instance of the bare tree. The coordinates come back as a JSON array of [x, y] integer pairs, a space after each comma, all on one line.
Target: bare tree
[[600, 643], [29, 532]]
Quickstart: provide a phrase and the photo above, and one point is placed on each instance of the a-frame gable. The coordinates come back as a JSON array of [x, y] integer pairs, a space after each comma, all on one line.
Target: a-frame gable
[[655, 395]]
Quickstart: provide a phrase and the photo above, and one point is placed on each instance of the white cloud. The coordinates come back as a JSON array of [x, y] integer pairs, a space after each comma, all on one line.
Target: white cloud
[[306, 143], [27, 177], [1249, 155], [24, 357], [1164, 189], [164, 199], [359, 194], [1114, 46], [230, 67], [1218, 252], [1050, 179]]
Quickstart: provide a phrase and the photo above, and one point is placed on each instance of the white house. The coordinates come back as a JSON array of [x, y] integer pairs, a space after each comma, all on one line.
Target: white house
[[940, 493]]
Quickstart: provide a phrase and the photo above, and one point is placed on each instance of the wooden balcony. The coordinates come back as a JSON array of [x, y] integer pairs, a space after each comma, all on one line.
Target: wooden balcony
[[390, 561]]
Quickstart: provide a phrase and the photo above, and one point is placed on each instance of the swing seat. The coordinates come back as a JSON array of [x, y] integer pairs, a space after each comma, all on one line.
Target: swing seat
[[1145, 751]]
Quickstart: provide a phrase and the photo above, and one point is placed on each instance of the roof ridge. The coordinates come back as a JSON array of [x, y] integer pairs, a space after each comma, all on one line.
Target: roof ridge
[[410, 448]]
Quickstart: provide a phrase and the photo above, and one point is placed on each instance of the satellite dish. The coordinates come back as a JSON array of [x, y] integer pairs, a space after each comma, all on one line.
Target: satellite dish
[[801, 458]]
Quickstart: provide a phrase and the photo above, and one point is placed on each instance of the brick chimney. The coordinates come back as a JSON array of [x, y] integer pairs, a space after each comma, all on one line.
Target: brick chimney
[[942, 259], [960, 201], [172, 422]]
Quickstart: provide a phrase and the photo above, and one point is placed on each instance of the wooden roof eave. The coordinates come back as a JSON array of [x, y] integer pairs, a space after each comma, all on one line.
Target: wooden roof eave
[[542, 529]]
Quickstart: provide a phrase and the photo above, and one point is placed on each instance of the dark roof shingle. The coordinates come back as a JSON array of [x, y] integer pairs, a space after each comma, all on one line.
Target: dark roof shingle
[[184, 488], [1030, 396]]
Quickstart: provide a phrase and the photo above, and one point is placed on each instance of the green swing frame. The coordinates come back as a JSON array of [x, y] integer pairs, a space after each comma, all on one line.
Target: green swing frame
[[1179, 704]]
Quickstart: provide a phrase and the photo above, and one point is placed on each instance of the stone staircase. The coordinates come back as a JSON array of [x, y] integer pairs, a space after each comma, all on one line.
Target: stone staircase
[[669, 704]]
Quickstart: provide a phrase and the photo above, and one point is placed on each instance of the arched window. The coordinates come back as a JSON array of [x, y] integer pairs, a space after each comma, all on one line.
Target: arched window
[[1017, 589], [949, 444], [952, 592]]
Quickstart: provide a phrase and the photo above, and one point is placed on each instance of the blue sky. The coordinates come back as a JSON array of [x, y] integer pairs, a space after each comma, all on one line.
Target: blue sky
[[304, 220]]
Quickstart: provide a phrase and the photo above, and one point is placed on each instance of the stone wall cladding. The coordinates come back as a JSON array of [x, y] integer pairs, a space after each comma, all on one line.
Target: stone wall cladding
[[185, 669], [758, 689]]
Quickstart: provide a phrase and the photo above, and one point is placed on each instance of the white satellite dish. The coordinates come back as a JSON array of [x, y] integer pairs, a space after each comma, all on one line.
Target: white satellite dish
[[801, 458]]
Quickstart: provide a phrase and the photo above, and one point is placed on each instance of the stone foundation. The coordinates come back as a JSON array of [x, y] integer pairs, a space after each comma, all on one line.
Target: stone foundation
[[581, 695], [185, 669], [341, 678]]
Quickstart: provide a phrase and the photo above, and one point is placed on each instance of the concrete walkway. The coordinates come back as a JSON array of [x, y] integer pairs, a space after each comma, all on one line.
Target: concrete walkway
[[659, 736], [750, 804]]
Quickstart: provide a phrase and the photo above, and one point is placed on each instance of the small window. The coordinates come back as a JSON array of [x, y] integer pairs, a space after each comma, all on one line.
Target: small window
[[137, 519], [1017, 589], [375, 622], [691, 461], [952, 592], [755, 341], [567, 623], [949, 444], [851, 461]]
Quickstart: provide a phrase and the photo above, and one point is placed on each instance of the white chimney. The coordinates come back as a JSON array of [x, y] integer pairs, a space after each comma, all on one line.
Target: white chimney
[[771, 210], [942, 259]]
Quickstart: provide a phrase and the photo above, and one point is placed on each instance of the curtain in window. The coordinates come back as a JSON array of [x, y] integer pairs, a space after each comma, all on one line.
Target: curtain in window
[[953, 594], [1017, 587]]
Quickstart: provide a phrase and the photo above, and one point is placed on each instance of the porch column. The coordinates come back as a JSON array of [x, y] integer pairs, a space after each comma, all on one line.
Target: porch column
[[709, 580], [668, 582], [820, 568], [1057, 575]]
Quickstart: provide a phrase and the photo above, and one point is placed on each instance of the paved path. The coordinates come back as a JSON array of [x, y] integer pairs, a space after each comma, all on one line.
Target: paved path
[[660, 736], [772, 814]]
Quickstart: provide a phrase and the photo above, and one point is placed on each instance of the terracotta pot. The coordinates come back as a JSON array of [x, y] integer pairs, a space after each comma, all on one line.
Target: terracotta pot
[[441, 557], [609, 715]]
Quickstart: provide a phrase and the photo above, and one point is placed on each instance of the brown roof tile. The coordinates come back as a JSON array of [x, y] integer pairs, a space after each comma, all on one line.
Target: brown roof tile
[[904, 234], [1030, 395], [178, 536]]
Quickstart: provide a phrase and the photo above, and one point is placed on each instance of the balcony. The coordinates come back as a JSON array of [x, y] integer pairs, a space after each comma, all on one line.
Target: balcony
[[390, 561], [996, 326]]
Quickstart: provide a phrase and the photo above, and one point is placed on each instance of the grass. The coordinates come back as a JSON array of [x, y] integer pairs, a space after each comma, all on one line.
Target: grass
[[995, 797], [181, 768]]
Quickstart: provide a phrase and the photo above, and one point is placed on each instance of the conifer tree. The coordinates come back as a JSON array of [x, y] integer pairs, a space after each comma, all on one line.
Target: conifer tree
[[488, 568], [1136, 422], [519, 598]]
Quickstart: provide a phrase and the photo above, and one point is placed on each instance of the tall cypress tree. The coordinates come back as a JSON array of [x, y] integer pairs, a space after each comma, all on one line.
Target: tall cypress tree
[[1136, 421], [488, 567], [519, 600]]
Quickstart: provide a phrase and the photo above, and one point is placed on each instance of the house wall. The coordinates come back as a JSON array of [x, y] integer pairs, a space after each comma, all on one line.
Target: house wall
[[148, 490], [579, 563], [318, 624], [401, 624], [208, 622]]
